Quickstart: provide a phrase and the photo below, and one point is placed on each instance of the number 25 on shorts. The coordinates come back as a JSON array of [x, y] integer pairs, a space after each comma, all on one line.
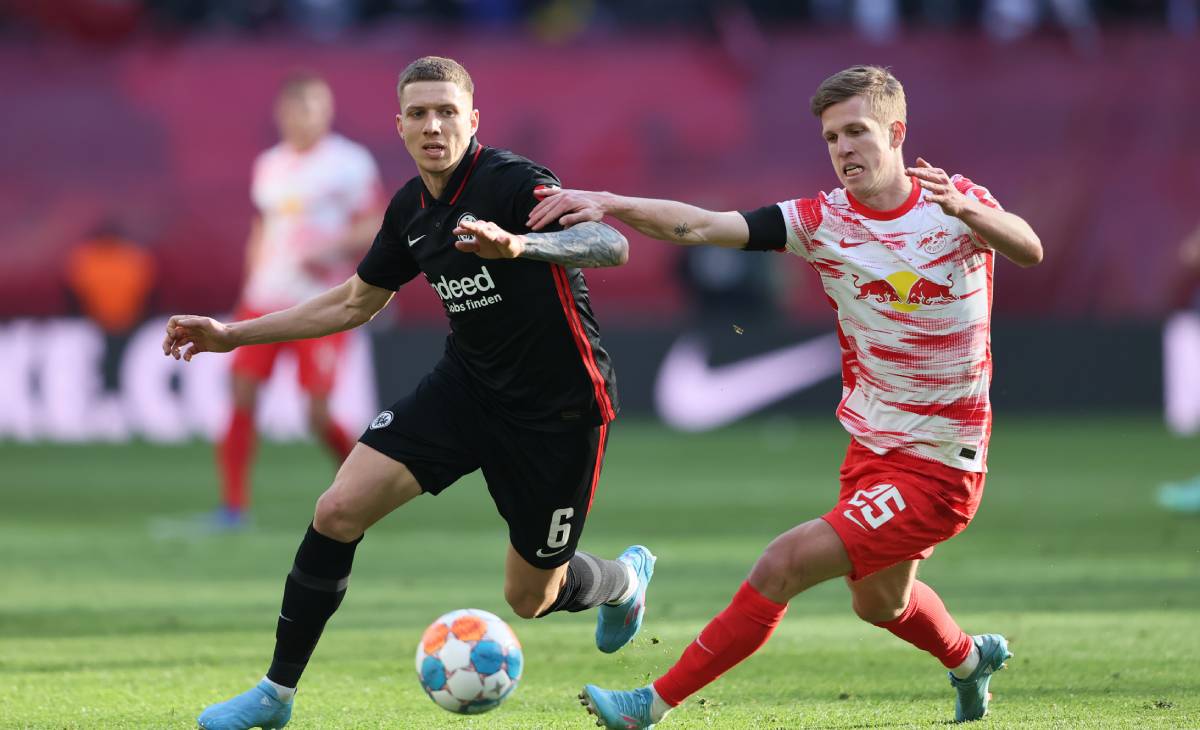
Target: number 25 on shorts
[[875, 505]]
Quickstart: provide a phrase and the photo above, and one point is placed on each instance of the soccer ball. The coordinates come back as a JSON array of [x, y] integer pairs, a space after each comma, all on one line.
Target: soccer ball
[[469, 661]]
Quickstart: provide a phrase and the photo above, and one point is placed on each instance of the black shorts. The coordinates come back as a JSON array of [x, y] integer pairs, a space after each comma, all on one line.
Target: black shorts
[[542, 482]]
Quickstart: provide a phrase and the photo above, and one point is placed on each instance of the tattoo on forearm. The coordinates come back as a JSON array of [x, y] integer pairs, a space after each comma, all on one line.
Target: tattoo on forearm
[[587, 245], [681, 230]]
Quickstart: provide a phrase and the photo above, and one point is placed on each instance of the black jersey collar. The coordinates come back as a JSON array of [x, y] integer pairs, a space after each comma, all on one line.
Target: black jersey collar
[[458, 180]]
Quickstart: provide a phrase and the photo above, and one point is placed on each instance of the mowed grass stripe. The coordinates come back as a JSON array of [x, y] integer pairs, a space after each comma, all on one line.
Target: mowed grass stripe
[[106, 624]]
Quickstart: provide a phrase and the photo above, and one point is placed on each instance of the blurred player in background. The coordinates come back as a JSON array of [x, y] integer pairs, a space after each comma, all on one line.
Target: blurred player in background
[[1185, 496], [906, 258], [319, 202], [524, 391]]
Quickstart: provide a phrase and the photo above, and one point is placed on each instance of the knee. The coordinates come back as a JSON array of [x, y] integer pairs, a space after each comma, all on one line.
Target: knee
[[799, 559], [525, 604], [777, 571], [879, 609], [335, 518]]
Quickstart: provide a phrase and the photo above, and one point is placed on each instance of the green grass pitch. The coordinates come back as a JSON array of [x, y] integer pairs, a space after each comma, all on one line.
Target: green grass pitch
[[108, 622]]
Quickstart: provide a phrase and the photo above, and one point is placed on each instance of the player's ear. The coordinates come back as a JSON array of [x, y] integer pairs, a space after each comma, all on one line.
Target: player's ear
[[400, 125], [474, 121], [899, 130]]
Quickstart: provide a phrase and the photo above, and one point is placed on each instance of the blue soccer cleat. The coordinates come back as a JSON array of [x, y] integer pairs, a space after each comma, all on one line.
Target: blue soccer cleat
[[1182, 497], [618, 710], [973, 695], [617, 625], [228, 519], [260, 707]]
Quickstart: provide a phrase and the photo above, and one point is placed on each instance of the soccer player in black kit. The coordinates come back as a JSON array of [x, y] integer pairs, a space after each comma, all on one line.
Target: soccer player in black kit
[[524, 391]]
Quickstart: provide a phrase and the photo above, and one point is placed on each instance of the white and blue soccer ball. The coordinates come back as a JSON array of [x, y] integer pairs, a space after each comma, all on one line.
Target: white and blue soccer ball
[[469, 661]]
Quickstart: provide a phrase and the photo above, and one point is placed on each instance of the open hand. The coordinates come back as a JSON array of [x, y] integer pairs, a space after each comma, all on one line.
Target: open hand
[[942, 191], [566, 207], [188, 334], [490, 240]]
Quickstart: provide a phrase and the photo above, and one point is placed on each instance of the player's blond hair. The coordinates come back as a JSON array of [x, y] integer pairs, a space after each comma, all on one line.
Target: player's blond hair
[[435, 68], [297, 82], [876, 84]]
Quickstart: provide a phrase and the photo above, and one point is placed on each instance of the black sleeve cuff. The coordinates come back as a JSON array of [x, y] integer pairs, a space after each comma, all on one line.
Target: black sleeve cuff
[[768, 232], [370, 277]]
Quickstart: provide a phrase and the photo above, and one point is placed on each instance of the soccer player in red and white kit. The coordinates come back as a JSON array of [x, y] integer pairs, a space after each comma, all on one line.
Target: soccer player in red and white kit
[[906, 257], [319, 202]]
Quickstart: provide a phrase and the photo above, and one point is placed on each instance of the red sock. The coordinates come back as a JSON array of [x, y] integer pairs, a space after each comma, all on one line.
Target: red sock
[[926, 624], [336, 440], [735, 633], [233, 456]]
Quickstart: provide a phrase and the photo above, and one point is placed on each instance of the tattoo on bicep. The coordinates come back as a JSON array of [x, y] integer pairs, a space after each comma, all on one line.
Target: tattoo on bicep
[[682, 230], [587, 245]]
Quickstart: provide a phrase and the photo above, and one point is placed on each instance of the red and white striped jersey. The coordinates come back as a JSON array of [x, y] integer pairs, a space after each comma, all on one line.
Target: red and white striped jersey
[[913, 292], [308, 201]]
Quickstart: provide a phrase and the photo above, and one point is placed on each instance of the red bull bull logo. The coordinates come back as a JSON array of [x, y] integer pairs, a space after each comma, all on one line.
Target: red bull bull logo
[[881, 290], [924, 291], [935, 240], [906, 291]]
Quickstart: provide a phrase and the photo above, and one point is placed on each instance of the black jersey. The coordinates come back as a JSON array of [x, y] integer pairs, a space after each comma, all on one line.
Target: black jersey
[[522, 335]]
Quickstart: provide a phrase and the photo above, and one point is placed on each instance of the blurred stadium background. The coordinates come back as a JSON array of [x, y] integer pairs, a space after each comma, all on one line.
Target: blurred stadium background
[[133, 124], [139, 120]]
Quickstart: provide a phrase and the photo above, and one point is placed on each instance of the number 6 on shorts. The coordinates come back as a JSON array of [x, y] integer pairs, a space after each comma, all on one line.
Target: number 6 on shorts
[[560, 531]]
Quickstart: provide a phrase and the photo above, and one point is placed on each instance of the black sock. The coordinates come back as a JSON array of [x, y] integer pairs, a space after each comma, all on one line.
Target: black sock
[[313, 591], [590, 582]]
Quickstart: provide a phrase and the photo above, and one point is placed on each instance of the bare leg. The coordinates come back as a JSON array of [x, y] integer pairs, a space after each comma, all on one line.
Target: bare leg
[[895, 600], [795, 561], [530, 590], [367, 487]]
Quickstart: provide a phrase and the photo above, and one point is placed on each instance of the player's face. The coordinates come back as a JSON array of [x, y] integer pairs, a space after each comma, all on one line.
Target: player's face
[[865, 152], [436, 122], [304, 117]]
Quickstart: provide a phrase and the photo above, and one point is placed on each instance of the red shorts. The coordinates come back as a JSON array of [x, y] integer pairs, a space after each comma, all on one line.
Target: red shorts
[[896, 507], [317, 359]]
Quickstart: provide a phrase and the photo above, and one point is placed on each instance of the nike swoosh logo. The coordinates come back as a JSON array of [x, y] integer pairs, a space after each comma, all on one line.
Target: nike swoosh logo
[[691, 395], [412, 240], [851, 244], [543, 554], [850, 516]]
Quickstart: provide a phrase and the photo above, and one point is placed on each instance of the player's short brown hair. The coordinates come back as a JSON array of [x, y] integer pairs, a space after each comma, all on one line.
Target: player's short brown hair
[[435, 68], [876, 84]]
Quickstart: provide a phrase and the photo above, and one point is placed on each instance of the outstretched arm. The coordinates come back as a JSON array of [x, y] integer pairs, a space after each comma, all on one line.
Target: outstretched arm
[[1002, 231], [588, 245], [343, 307], [666, 220]]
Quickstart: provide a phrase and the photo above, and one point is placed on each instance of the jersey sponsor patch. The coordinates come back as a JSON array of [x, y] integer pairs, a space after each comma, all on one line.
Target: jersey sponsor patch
[[452, 290], [383, 420]]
